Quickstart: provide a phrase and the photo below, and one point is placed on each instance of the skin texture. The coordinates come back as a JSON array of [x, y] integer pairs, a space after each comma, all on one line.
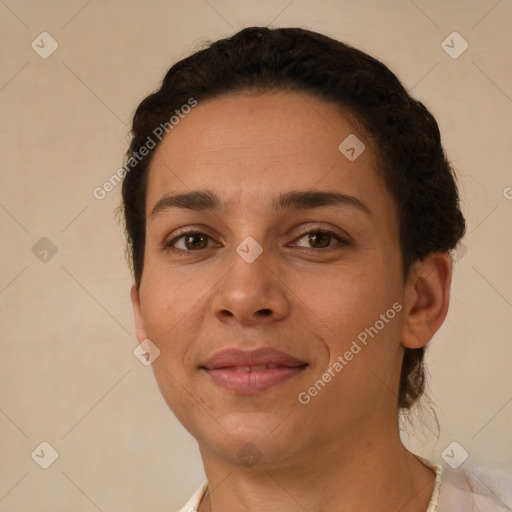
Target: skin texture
[[342, 450]]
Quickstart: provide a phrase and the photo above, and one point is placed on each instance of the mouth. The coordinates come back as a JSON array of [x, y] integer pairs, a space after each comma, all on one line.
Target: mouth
[[255, 368], [252, 372]]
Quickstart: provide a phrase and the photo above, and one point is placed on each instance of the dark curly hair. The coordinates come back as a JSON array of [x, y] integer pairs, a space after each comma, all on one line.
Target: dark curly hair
[[404, 135]]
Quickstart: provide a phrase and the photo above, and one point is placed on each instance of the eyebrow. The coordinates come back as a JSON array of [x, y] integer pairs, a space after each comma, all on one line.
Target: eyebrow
[[292, 200]]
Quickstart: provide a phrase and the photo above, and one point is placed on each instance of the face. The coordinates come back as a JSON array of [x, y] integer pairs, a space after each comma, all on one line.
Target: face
[[295, 275]]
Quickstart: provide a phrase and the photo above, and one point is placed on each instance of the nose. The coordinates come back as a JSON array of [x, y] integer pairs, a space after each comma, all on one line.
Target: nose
[[251, 292]]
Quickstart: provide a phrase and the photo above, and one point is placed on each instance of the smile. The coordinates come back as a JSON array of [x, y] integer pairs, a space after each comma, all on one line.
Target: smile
[[248, 372], [251, 380]]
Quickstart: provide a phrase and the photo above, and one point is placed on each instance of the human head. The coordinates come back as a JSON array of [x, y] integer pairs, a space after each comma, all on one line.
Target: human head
[[403, 134]]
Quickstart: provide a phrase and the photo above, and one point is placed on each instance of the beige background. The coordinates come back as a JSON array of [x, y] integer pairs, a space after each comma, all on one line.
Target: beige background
[[67, 372]]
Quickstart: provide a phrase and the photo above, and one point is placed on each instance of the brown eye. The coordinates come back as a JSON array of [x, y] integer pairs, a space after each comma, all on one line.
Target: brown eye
[[189, 242], [319, 240], [196, 241]]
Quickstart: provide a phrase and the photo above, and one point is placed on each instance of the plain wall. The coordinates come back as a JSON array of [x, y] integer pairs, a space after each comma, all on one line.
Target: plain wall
[[68, 375]]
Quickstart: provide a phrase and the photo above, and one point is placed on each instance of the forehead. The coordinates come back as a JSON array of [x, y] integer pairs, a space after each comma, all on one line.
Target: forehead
[[249, 148]]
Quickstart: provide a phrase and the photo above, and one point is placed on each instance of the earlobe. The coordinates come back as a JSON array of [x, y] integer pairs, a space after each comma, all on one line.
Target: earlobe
[[427, 299], [140, 327]]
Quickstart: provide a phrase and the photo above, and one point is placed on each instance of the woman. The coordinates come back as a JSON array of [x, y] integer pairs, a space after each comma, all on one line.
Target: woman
[[289, 213]]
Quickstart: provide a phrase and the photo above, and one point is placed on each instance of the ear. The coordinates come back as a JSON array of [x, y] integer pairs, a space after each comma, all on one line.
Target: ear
[[140, 327], [427, 297]]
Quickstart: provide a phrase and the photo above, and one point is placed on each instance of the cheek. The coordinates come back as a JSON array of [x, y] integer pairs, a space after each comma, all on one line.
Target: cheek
[[167, 304], [356, 306], [345, 300], [171, 310]]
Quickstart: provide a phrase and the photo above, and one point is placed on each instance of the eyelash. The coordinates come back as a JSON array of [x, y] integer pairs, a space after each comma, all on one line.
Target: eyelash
[[169, 246]]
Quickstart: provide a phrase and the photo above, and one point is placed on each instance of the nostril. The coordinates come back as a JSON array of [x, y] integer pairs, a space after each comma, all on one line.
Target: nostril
[[266, 312]]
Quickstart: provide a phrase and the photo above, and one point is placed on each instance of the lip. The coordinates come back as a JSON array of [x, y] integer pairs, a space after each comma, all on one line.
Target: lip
[[231, 369]]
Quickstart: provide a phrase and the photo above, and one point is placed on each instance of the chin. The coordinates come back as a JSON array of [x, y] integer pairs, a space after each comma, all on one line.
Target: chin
[[251, 438]]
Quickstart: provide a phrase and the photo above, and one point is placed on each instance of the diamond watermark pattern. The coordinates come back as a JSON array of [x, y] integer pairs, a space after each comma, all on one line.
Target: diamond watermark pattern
[[351, 147], [44, 45], [45, 455], [460, 251], [454, 455], [249, 455], [146, 352], [249, 249], [44, 249], [454, 45]]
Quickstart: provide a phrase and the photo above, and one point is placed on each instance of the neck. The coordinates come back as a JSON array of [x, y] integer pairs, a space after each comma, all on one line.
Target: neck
[[370, 475]]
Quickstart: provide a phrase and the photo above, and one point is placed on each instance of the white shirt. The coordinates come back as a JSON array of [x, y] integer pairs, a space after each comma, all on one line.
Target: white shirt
[[465, 489]]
